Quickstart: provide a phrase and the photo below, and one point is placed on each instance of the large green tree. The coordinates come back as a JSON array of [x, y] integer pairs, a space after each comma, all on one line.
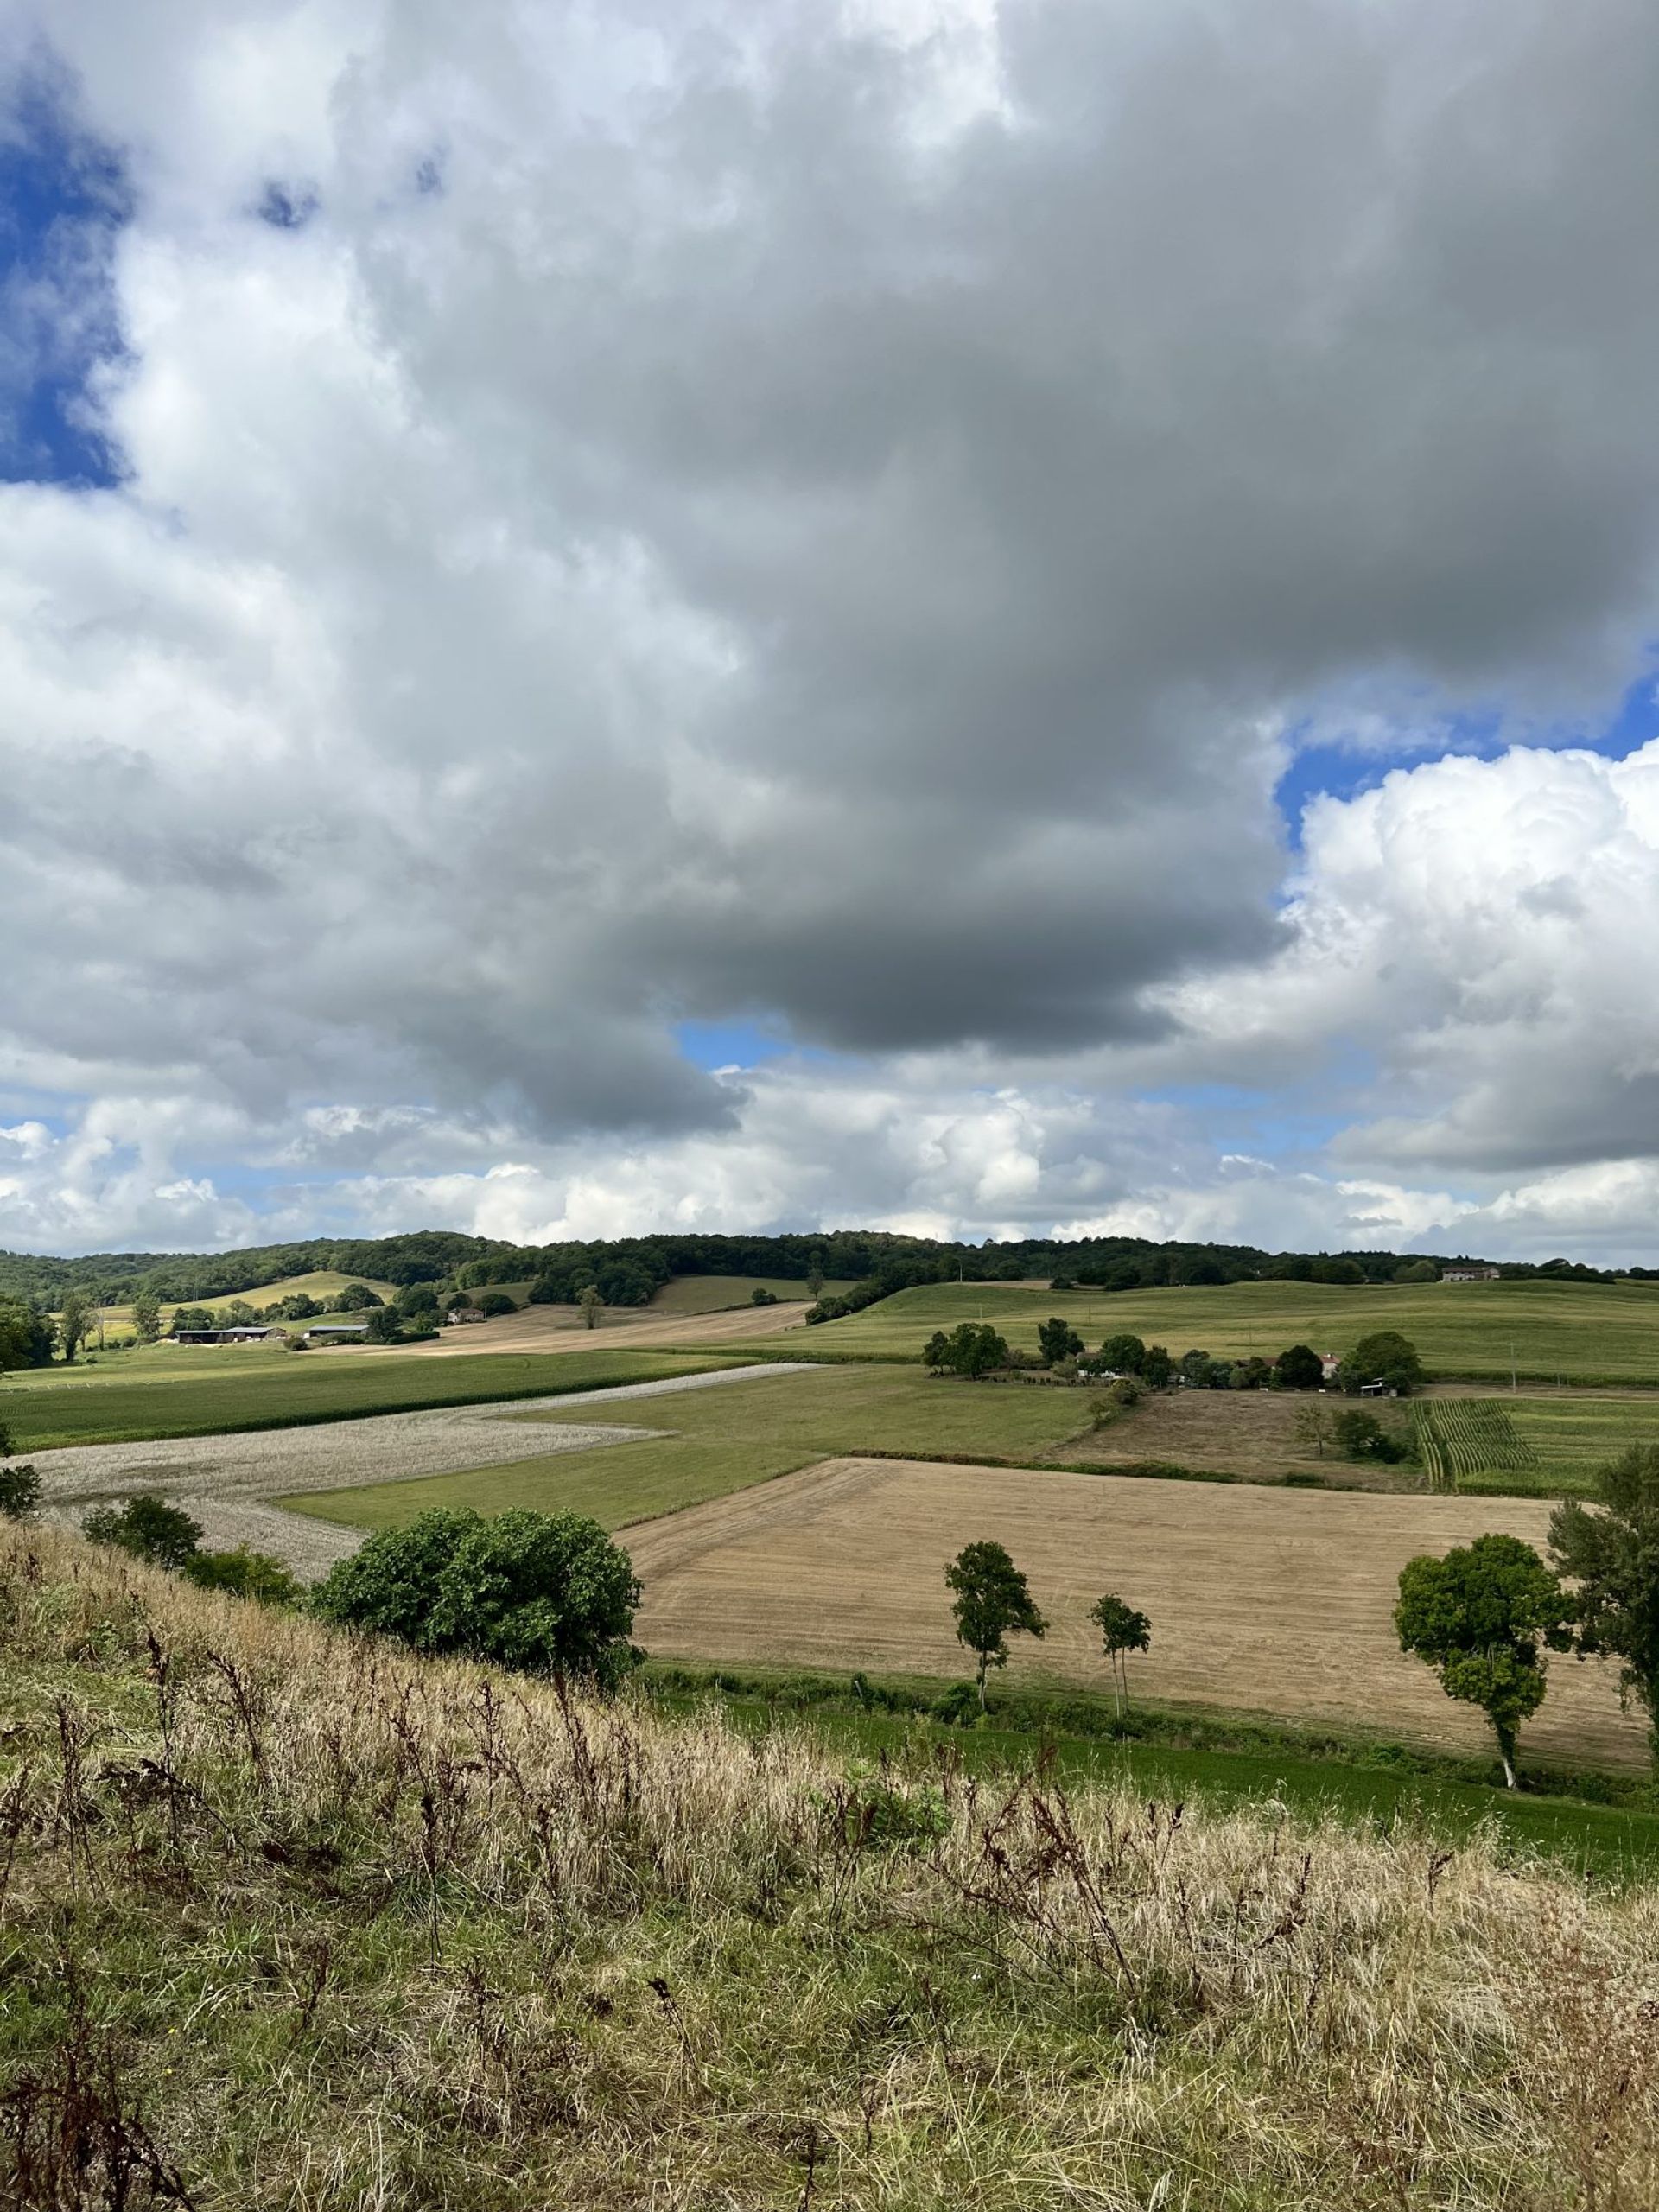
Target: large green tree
[[25, 1335], [973, 1349], [146, 1316], [1298, 1367], [1611, 1554], [147, 1527], [1057, 1340], [1481, 1617], [1384, 1356], [74, 1318], [993, 1602], [1124, 1354]]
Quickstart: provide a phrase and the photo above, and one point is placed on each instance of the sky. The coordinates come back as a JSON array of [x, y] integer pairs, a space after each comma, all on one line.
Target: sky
[[983, 617]]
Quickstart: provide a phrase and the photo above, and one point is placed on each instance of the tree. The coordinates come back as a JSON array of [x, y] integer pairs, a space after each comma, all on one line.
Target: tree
[[1337, 1271], [74, 1318], [1613, 1554], [244, 1573], [814, 1279], [993, 1601], [1361, 1436], [591, 1306], [1121, 1631], [1157, 1368], [1417, 1271], [1298, 1367], [193, 1317], [1386, 1357], [972, 1349], [147, 1527], [25, 1335], [384, 1327], [20, 1489], [1479, 1617], [494, 1302], [1124, 1354], [146, 1316], [1314, 1425], [357, 1298], [419, 1302], [761, 1296], [1057, 1340], [548, 1592]]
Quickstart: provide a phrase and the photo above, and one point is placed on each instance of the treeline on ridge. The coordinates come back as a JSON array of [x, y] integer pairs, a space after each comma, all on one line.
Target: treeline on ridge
[[628, 1270]]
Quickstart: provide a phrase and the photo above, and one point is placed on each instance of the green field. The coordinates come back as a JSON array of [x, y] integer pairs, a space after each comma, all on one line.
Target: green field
[[1575, 1332], [725, 1440], [183, 1393]]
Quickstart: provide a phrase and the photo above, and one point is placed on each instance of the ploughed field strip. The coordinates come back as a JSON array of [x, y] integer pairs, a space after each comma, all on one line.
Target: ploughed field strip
[[1261, 1599], [225, 1481]]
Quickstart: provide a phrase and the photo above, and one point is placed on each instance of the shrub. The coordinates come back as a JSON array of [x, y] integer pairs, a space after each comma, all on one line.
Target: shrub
[[547, 1592], [957, 1707], [1361, 1436], [760, 1296], [147, 1527], [870, 1812], [20, 1492], [244, 1573]]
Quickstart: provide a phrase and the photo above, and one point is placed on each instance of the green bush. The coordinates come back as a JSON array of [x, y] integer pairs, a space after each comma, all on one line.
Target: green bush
[[870, 1812], [20, 1492], [547, 1592], [147, 1527], [244, 1573]]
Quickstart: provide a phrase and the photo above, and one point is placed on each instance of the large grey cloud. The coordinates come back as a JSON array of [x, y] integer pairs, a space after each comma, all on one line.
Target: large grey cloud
[[747, 508]]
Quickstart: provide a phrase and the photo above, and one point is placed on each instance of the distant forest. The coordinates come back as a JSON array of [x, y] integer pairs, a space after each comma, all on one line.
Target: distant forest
[[627, 1270]]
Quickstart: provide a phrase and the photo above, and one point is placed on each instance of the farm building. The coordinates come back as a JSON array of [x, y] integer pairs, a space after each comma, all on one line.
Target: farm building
[[1469, 1274], [467, 1314], [1329, 1363], [238, 1336], [339, 1329]]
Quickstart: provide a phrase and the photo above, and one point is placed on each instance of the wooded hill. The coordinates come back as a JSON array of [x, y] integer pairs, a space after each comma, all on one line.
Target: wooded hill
[[634, 1267]]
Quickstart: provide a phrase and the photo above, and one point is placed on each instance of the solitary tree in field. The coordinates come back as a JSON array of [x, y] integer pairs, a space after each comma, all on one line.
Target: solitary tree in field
[[1121, 1631], [146, 1316], [1057, 1340], [591, 1306], [815, 1282], [1612, 1553], [1480, 1617], [1314, 1425], [74, 1318], [993, 1602]]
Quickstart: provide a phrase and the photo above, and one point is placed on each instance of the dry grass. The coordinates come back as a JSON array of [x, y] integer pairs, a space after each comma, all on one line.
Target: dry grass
[[622, 1328], [1268, 1601], [291, 1922]]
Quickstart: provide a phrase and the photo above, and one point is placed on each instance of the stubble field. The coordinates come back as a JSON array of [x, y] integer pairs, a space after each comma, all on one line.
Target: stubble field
[[1267, 1600]]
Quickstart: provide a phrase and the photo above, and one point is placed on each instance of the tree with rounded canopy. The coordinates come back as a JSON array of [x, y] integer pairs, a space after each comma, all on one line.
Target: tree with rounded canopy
[[357, 1298], [547, 1592], [972, 1349], [1157, 1367], [1125, 1354], [993, 1601], [1298, 1367], [1385, 1357], [1480, 1617], [1417, 1271], [1122, 1629], [146, 1316], [1613, 1554], [1057, 1340]]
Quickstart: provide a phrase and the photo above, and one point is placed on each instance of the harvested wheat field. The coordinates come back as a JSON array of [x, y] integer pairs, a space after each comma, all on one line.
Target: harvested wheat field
[[1263, 1600], [560, 1328]]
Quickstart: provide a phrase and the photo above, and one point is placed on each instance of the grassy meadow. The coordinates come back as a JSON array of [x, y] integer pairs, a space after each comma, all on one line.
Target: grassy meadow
[[725, 1441], [1574, 1332], [295, 1921], [716, 1293], [174, 1390]]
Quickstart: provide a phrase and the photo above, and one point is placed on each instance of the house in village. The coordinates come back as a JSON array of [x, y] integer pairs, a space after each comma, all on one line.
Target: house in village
[[1469, 1274]]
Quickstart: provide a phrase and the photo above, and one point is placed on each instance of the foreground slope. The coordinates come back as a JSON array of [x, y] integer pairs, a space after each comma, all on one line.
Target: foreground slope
[[289, 1922]]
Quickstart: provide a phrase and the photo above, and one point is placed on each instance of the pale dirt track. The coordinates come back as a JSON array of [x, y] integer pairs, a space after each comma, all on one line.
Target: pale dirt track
[[1272, 1600], [559, 1328], [225, 1480]]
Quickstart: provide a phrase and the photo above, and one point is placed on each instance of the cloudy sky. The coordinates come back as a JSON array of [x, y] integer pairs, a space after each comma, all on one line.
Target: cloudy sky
[[986, 616]]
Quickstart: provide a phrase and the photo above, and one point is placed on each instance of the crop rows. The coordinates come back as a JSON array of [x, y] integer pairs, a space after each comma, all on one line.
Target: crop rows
[[1467, 1436]]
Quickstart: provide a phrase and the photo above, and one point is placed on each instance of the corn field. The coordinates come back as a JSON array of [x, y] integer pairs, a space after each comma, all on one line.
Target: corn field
[[1467, 1436]]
